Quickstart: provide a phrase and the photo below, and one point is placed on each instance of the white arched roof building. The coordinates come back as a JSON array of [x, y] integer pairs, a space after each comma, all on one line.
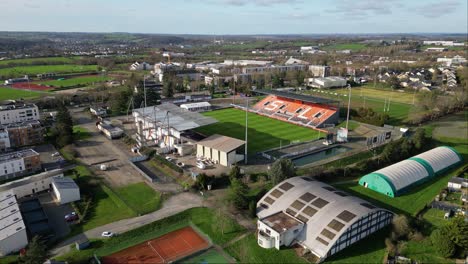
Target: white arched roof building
[[399, 177], [316, 216]]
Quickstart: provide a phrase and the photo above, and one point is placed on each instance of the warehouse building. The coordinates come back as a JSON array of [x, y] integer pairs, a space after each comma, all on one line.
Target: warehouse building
[[32, 184], [400, 177], [321, 219], [65, 190], [196, 107], [326, 82], [220, 149], [13, 235], [110, 131]]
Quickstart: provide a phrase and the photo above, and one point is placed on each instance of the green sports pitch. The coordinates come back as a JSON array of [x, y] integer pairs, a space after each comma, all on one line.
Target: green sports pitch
[[264, 133]]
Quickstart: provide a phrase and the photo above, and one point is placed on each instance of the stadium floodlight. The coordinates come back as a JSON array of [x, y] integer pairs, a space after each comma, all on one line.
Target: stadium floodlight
[[349, 106], [246, 126]]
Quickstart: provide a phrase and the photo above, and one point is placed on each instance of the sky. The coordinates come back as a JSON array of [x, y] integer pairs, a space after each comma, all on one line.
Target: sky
[[230, 17]]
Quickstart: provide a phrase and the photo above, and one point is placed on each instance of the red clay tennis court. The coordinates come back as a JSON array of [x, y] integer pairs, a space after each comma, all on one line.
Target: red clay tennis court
[[167, 248], [31, 86]]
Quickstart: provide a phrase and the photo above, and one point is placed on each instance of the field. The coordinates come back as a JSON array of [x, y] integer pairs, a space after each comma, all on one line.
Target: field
[[75, 81], [33, 70], [263, 133], [247, 250], [346, 46], [30, 61], [13, 94], [204, 219], [164, 249], [405, 97], [208, 257], [140, 197]]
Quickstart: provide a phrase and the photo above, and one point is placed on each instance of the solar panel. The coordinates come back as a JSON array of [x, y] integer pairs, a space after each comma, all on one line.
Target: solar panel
[[346, 216], [319, 203], [307, 179], [286, 186], [321, 240], [370, 206], [342, 194], [336, 225], [329, 188], [269, 200], [276, 193], [307, 197], [309, 211], [297, 205], [291, 211], [302, 218], [328, 234]]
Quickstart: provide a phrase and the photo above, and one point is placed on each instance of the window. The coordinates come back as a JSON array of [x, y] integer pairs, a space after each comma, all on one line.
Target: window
[[307, 197], [268, 231], [336, 225], [319, 203]]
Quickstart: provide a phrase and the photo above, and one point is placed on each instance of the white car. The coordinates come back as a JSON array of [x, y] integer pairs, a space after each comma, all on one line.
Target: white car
[[201, 165], [55, 154], [168, 158], [107, 234]]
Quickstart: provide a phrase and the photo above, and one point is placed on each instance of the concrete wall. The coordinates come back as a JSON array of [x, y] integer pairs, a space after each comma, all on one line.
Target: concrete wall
[[65, 196], [14, 243]]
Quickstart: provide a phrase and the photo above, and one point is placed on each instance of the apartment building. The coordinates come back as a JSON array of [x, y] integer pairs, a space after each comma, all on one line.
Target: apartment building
[[19, 163], [14, 113]]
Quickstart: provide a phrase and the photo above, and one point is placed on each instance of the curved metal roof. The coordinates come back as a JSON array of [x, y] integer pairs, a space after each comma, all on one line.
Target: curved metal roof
[[404, 173], [322, 208], [440, 158]]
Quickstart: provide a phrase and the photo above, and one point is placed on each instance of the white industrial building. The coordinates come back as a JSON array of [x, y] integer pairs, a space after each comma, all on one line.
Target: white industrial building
[[246, 62], [314, 215], [32, 184], [144, 66], [455, 184], [319, 70], [456, 60], [13, 235], [110, 131], [446, 43], [65, 190], [14, 113], [326, 82], [162, 125], [220, 149], [196, 107]]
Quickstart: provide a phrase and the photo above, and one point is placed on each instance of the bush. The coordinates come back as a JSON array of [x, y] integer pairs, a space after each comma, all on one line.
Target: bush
[[442, 242], [163, 161]]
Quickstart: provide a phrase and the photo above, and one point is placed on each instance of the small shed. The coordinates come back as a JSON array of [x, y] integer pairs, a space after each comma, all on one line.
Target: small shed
[[65, 190], [81, 244], [220, 149]]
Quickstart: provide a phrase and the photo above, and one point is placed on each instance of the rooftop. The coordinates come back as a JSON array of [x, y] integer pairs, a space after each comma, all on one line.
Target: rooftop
[[221, 143], [280, 222], [295, 96], [64, 183], [17, 155], [7, 107], [177, 118]]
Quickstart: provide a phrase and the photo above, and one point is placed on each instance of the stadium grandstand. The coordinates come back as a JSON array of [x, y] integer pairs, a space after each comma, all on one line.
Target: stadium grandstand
[[400, 177], [319, 218], [308, 111]]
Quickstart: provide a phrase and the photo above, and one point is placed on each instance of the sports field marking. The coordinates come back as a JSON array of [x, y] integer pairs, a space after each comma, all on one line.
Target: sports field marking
[[155, 251]]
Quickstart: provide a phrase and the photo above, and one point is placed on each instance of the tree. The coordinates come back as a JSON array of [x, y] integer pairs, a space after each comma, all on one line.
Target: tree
[[459, 232], [36, 252], [168, 89], [201, 181], [280, 170], [62, 131], [393, 81], [252, 209], [419, 139], [442, 242], [401, 226], [235, 173], [238, 194]]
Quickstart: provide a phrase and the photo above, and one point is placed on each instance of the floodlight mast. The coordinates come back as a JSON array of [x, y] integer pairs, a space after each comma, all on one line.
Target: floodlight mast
[[246, 127], [349, 106]]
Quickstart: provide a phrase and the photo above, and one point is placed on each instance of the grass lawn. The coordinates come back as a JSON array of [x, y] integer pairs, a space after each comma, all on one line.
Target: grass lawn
[[203, 218], [29, 61], [368, 90], [80, 133], [263, 133], [351, 126], [33, 70], [68, 82], [247, 250], [140, 197], [424, 252], [209, 257], [11, 259], [13, 94], [106, 208], [435, 217], [369, 250], [410, 203]]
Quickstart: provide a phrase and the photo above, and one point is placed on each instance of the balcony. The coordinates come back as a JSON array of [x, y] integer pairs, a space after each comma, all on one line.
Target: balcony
[[264, 240]]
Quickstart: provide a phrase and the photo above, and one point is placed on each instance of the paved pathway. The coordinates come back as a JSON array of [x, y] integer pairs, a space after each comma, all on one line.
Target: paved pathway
[[172, 206]]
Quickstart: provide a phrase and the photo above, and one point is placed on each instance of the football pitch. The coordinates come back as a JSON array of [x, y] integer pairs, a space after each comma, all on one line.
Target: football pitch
[[263, 133]]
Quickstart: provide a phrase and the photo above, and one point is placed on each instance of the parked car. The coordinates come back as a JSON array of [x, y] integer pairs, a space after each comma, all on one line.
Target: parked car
[[201, 165], [107, 234], [168, 158], [55, 154], [71, 217]]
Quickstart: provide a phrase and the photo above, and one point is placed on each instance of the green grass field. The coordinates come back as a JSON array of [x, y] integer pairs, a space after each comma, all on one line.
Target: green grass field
[[29, 61], [405, 97], [74, 81], [247, 250], [264, 133], [14, 94], [209, 257], [80, 133], [33, 70], [140, 197]]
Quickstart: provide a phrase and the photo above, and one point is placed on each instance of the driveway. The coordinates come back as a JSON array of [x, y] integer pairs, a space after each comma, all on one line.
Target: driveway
[[175, 204]]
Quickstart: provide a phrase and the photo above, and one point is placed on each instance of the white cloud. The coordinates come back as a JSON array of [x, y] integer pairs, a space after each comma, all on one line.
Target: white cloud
[[438, 9], [360, 9]]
